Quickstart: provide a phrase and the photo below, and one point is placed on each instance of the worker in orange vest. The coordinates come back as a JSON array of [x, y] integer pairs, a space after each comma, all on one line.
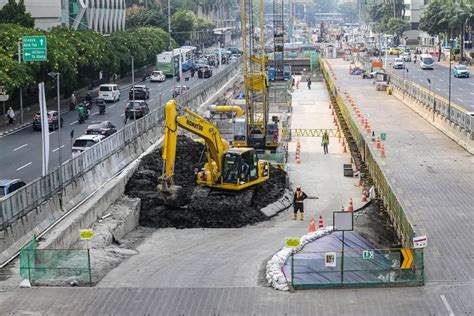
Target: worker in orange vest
[[298, 199]]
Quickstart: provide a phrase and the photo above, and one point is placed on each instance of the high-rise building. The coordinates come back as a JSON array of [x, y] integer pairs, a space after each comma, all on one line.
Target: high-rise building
[[104, 16]]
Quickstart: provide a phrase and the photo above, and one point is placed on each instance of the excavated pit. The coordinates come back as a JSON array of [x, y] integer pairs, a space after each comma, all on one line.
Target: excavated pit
[[220, 209]]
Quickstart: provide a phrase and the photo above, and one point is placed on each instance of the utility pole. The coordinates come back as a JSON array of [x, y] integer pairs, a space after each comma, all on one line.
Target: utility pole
[[449, 85], [171, 47], [55, 75], [133, 96], [21, 88]]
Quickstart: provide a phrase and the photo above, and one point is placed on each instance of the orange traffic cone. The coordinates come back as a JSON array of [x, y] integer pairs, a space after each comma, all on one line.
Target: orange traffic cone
[[364, 196], [298, 158], [360, 181], [312, 227], [382, 153], [373, 137], [351, 206], [368, 128], [379, 145], [320, 222]]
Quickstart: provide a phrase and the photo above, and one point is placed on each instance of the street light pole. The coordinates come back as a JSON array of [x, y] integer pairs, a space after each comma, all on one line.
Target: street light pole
[[133, 96], [449, 85], [21, 88], [55, 75], [171, 47]]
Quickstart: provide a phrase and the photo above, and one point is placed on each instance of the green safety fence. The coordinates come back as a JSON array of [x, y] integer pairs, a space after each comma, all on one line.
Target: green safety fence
[[55, 266], [395, 210], [356, 268]]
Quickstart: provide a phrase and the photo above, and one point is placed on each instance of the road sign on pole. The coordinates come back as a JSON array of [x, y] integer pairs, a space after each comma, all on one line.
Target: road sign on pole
[[34, 48]]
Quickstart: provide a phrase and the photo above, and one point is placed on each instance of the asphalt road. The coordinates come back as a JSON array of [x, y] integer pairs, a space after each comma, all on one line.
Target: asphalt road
[[462, 89], [20, 152]]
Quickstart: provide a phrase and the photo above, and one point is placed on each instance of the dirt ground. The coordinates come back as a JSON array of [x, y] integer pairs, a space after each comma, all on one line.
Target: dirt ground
[[218, 210]]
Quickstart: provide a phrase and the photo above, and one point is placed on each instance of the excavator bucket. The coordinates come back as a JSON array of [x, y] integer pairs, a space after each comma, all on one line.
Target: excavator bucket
[[172, 195]]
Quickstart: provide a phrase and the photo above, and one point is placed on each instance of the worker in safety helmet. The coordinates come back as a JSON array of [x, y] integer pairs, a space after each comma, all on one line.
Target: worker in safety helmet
[[298, 203]]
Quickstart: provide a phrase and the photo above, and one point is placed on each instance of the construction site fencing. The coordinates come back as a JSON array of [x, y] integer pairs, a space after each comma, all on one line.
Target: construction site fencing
[[450, 110], [355, 268], [55, 266], [36, 192], [394, 207]]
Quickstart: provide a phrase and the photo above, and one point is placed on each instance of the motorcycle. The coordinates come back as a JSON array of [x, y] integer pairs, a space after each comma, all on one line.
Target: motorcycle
[[101, 105], [81, 118]]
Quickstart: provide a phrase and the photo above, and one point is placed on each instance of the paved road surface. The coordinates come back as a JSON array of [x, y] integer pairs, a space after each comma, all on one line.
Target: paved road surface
[[20, 152], [462, 89]]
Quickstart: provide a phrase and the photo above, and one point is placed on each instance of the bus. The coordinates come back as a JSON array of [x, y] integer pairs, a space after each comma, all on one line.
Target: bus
[[164, 63], [426, 61], [164, 60]]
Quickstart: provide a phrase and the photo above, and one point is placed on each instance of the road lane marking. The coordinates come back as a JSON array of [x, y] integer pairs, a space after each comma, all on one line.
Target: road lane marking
[[461, 89], [52, 133], [55, 150], [472, 93], [150, 100], [438, 89], [24, 166], [460, 99], [472, 84], [123, 114], [73, 123], [446, 305], [112, 105], [95, 113], [22, 146]]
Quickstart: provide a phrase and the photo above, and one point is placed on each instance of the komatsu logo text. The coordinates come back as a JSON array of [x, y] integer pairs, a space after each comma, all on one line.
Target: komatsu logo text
[[196, 126]]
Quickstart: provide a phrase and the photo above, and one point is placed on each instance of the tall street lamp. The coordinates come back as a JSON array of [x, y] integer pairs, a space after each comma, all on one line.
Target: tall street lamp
[[55, 75], [449, 85]]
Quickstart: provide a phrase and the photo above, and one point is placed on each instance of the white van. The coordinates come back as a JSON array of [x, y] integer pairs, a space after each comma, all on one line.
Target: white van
[[426, 61], [109, 92]]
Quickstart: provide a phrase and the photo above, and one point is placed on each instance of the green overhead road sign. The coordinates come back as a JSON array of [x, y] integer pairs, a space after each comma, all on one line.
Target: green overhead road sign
[[34, 48], [368, 255]]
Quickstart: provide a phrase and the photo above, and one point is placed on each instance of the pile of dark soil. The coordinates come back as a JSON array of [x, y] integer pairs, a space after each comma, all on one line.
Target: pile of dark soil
[[375, 226], [219, 209]]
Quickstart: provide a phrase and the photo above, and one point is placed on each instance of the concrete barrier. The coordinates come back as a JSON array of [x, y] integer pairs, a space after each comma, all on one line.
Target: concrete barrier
[[38, 220], [460, 135]]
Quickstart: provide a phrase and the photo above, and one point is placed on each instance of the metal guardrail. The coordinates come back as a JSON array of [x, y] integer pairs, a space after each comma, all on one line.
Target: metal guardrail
[[394, 207], [454, 113], [32, 195]]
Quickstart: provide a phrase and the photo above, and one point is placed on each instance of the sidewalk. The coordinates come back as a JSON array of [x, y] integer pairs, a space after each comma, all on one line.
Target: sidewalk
[[30, 111]]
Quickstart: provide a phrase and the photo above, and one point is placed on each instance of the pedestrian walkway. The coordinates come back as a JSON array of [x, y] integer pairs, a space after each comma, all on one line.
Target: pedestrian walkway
[[430, 174]]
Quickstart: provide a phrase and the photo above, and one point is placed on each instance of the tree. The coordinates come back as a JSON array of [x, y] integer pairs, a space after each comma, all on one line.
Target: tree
[[182, 25], [147, 18], [350, 11], [15, 13], [397, 26]]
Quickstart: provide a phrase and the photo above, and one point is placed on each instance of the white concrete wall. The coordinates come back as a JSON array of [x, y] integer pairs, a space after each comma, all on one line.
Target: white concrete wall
[[47, 13]]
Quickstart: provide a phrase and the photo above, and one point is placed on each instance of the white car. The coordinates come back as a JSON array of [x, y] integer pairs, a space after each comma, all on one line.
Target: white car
[[84, 142], [157, 76]]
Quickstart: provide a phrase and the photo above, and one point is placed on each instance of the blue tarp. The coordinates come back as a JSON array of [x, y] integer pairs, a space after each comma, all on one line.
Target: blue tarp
[[310, 268]]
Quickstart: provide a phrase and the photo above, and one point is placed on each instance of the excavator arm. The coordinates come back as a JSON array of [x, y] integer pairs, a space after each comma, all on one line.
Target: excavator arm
[[197, 125]]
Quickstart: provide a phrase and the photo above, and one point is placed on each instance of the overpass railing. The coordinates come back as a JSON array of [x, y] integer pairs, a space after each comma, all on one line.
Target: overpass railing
[[22, 201]]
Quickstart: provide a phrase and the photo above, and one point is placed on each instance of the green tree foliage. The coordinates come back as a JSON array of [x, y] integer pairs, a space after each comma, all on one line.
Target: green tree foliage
[[78, 55], [144, 17], [182, 22], [350, 11], [15, 13], [397, 26], [446, 16]]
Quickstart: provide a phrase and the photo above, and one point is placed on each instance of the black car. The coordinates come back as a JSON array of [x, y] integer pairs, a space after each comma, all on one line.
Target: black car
[[205, 72], [52, 121], [105, 128], [137, 109], [141, 93], [179, 90]]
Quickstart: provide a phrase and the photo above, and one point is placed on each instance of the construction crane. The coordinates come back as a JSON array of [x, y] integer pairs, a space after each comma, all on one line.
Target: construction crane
[[226, 168], [258, 132]]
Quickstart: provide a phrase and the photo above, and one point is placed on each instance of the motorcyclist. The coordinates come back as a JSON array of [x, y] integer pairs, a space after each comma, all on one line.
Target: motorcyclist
[[89, 98], [81, 110]]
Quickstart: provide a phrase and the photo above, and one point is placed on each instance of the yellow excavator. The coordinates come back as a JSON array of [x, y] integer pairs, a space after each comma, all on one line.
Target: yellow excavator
[[226, 168]]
